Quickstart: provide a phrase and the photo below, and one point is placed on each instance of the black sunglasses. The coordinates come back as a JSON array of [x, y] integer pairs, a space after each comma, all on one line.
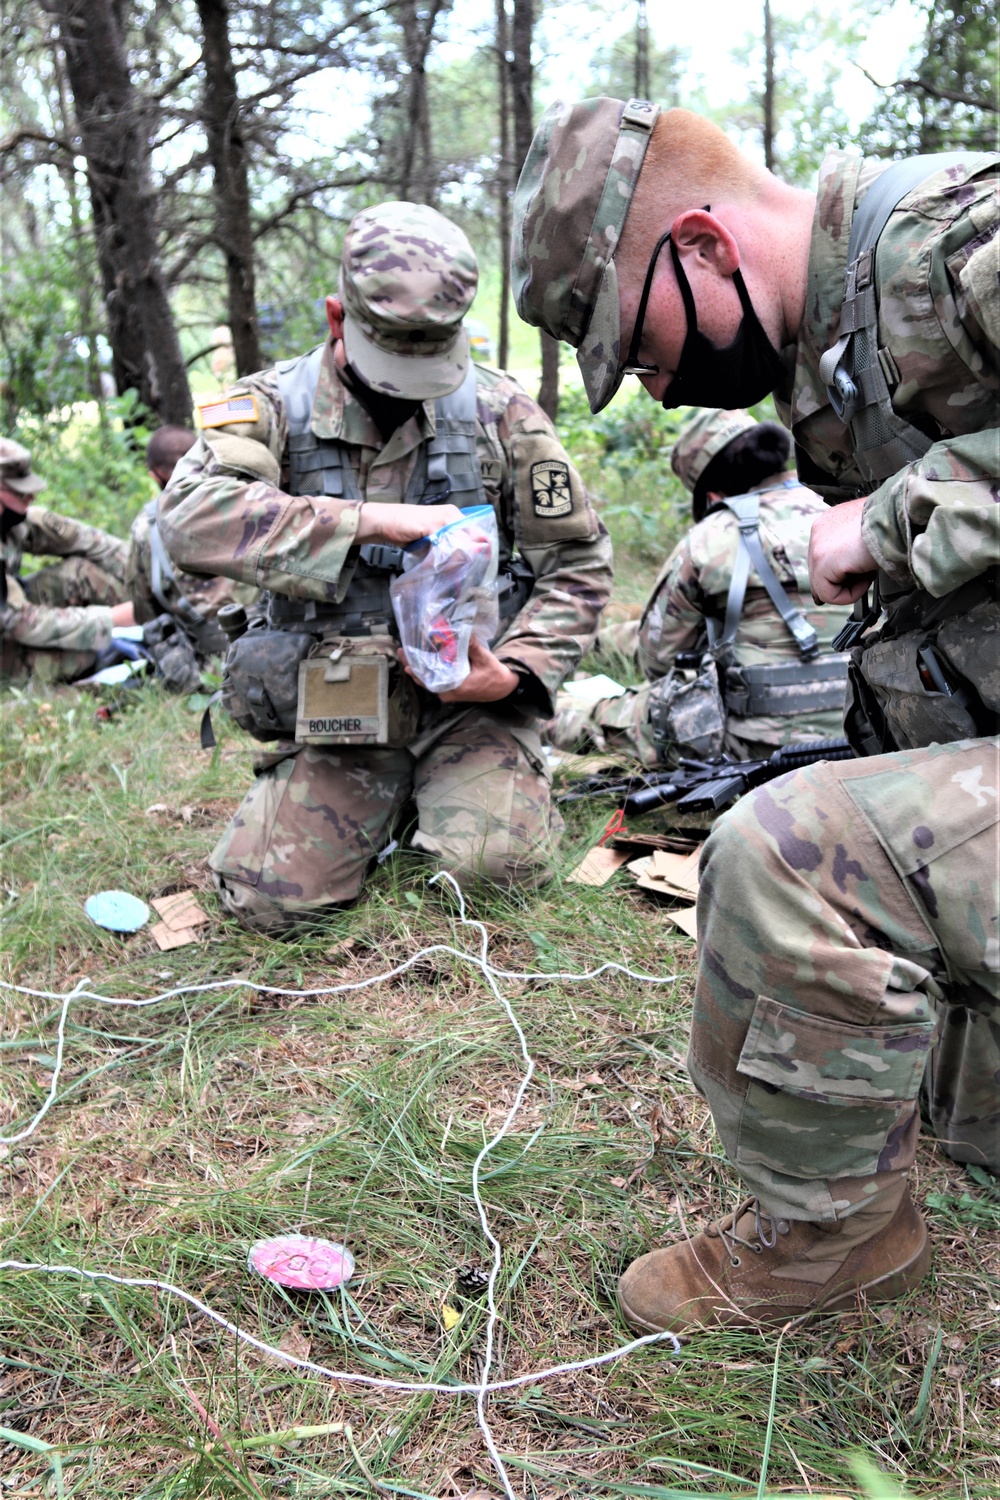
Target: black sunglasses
[[632, 365]]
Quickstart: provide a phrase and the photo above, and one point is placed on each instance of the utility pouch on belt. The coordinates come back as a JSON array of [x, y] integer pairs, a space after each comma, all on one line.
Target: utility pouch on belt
[[686, 713], [287, 684], [352, 691]]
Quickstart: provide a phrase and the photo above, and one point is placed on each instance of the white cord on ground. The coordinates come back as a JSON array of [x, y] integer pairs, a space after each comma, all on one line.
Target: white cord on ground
[[491, 974]]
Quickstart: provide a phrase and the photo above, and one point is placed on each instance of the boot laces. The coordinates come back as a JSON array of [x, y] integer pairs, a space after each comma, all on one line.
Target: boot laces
[[761, 1240]]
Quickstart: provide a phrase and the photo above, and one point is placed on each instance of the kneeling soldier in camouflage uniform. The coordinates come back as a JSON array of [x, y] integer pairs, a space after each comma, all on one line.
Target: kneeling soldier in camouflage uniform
[[54, 623], [847, 916], [734, 661], [307, 480]]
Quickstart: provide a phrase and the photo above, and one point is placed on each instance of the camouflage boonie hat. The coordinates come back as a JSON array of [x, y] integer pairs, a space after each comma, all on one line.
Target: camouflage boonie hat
[[570, 206], [16, 473], [407, 279], [702, 438]]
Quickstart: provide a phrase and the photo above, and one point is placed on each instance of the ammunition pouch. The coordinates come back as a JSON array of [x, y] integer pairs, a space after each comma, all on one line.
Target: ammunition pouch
[[686, 713], [931, 675], [786, 689], [320, 690]]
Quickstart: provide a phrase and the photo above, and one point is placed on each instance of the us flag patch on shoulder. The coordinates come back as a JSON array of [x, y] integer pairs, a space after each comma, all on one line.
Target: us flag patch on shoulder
[[240, 408]]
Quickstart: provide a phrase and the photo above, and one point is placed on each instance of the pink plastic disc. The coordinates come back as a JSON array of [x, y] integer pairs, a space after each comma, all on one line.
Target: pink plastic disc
[[302, 1263]]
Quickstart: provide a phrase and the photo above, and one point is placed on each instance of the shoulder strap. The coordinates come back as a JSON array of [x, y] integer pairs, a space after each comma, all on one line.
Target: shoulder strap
[[297, 382], [854, 370], [448, 466], [746, 509]]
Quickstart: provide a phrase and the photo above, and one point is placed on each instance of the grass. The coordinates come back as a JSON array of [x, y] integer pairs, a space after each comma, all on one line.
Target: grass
[[184, 1131]]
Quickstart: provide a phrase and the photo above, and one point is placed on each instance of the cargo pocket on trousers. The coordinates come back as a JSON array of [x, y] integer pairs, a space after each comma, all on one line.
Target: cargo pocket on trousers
[[823, 1096]]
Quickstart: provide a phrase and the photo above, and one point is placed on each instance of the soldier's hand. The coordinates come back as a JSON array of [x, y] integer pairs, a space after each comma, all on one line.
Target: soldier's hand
[[488, 681], [396, 525], [840, 565]]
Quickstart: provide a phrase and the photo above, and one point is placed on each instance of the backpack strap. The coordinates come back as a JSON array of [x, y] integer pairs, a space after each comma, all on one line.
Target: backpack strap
[[746, 509], [855, 371]]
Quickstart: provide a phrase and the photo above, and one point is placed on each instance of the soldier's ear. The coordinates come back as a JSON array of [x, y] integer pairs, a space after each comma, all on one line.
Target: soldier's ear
[[335, 316], [699, 231]]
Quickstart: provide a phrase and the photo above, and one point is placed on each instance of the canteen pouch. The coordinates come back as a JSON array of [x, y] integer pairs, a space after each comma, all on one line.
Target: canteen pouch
[[260, 679], [352, 691], [686, 713]]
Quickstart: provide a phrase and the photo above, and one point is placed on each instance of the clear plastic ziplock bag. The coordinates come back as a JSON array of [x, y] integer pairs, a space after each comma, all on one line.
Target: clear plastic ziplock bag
[[447, 593]]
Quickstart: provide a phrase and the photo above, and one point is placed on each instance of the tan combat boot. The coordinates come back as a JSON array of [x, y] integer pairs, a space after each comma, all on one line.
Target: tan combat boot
[[753, 1268]]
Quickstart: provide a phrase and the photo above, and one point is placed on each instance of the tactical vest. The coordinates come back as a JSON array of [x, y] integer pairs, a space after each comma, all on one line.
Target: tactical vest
[[261, 687], [813, 684], [447, 471], [930, 674]]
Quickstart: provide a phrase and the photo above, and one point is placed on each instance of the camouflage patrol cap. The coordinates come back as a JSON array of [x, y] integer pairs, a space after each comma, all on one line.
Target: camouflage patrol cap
[[16, 474], [702, 439], [570, 206], [407, 279]]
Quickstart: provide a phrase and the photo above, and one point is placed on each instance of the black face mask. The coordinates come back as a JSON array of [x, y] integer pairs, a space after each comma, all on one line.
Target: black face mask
[[737, 376], [9, 518], [387, 412]]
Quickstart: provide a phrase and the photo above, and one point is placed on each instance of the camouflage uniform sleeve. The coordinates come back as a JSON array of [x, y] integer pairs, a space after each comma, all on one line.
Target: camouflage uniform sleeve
[[937, 523], [46, 533], [548, 510], [224, 511], [674, 619], [43, 627]]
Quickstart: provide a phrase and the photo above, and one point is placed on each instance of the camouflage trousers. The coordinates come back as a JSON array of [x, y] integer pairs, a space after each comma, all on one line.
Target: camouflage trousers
[[45, 668], [657, 723], [309, 828], [848, 971], [93, 575]]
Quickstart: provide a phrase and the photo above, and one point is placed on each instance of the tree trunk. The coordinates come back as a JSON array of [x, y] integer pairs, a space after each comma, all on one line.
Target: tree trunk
[[768, 88], [641, 89], [147, 354], [85, 288], [548, 391], [521, 79], [503, 180], [417, 177], [227, 153]]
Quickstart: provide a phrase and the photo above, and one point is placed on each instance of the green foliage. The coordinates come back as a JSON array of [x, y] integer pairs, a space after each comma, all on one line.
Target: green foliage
[[614, 70], [948, 96], [623, 454], [811, 51], [96, 469], [43, 363]]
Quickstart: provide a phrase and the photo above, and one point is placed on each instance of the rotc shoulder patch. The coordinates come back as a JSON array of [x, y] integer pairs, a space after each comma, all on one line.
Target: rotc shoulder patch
[[550, 488], [238, 408]]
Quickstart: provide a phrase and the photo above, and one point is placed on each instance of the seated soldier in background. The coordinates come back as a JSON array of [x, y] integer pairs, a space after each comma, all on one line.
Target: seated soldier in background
[[308, 480], [55, 623], [733, 661], [177, 609]]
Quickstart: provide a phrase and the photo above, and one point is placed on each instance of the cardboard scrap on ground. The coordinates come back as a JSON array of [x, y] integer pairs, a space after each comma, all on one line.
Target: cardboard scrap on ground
[[643, 843], [674, 876], [181, 916], [597, 867]]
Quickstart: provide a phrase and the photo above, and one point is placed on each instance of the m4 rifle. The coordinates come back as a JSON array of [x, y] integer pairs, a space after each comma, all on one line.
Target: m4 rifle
[[703, 785]]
